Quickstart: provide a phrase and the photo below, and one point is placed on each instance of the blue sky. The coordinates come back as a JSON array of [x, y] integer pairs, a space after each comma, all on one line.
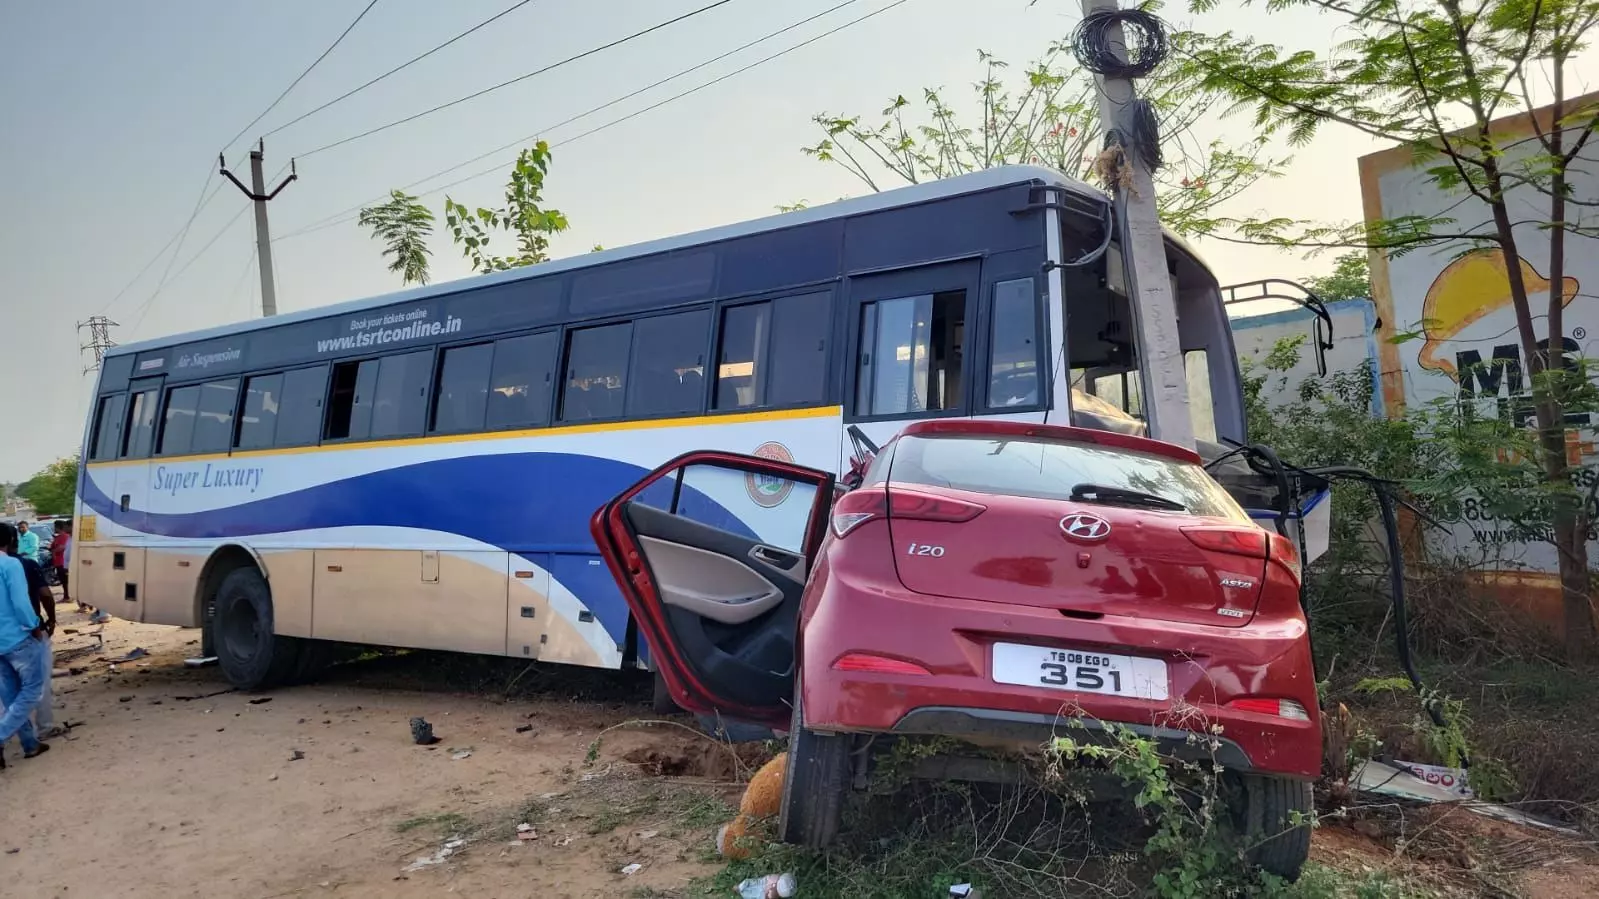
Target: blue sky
[[114, 112]]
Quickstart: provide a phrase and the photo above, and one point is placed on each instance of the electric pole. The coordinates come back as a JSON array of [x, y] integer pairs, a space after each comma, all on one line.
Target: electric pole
[[99, 339], [263, 237], [1132, 134]]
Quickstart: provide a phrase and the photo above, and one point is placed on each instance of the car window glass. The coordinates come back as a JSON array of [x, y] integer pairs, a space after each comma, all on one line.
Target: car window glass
[[1049, 469]]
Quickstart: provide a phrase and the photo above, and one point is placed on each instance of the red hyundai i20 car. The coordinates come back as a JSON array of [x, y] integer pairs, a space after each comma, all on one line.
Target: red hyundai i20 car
[[989, 581]]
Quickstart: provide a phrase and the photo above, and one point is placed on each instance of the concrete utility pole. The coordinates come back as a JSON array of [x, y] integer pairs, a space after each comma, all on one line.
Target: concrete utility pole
[[263, 237], [1164, 380]]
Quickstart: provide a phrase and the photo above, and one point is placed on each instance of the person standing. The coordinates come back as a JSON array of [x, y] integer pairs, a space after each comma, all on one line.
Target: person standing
[[27, 541], [44, 606], [23, 663], [58, 556]]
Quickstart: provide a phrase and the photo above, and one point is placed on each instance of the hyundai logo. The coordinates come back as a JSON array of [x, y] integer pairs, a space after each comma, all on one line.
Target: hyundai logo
[[1084, 528]]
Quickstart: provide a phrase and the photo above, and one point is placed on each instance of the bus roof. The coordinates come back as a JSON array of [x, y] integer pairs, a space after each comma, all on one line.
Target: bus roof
[[973, 182]]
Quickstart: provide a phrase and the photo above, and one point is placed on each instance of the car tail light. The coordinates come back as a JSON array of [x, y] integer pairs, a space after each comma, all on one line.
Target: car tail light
[[925, 507], [861, 661], [1284, 554], [1237, 541], [1282, 708], [858, 507]]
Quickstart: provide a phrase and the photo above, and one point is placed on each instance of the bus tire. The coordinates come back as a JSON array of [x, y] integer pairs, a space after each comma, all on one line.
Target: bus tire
[[250, 655]]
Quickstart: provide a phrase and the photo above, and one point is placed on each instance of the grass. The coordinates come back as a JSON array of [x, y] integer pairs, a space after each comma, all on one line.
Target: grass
[[444, 824]]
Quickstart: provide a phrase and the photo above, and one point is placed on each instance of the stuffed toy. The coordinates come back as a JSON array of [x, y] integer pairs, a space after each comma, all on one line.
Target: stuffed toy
[[762, 802]]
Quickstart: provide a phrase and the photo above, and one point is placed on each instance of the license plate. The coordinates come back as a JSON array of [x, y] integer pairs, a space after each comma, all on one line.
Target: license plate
[[1080, 671]]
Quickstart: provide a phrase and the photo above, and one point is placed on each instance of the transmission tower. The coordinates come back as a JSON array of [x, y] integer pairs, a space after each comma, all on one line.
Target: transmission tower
[[99, 339]]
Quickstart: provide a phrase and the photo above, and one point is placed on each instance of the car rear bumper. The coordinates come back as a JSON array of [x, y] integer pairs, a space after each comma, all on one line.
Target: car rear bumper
[[1207, 669]]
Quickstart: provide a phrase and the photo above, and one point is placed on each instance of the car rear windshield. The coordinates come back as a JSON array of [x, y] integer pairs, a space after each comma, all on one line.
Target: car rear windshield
[[1051, 469]]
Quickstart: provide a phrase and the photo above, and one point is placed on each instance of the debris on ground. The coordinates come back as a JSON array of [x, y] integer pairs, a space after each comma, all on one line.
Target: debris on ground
[[438, 858], [261, 700], [461, 755], [964, 891], [772, 886], [525, 832], [1385, 779], [632, 869], [201, 662], [296, 755], [422, 732], [524, 728], [203, 695]]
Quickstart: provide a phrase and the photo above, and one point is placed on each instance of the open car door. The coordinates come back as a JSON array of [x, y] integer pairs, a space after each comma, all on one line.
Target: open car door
[[712, 551]]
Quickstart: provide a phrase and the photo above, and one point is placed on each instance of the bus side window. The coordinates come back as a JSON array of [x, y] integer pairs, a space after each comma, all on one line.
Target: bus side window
[[350, 400], [140, 432], [910, 354], [213, 420], [108, 427], [399, 402], [596, 372], [522, 381], [668, 367], [1013, 358], [463, 393], [177, 428], [300, 411], [259, 420], [774, 353]]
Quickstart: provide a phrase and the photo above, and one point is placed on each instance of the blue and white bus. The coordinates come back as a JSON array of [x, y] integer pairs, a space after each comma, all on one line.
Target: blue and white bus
[[419, 469]]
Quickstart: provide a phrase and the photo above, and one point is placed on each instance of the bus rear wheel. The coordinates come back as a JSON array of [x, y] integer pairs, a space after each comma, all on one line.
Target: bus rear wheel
[[250, 655]]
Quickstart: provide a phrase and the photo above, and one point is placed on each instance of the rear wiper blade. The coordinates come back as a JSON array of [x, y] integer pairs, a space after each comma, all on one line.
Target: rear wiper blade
[[1120, 496]]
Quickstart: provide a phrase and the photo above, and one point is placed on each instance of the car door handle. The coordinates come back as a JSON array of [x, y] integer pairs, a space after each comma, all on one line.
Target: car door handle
[[775, 557]]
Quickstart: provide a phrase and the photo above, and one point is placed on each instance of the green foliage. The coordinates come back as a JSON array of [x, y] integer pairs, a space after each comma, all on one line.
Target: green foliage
[[1049, 115], [52, 490], [1350, 279], [404, 225], [1374, 685], [522, 214]]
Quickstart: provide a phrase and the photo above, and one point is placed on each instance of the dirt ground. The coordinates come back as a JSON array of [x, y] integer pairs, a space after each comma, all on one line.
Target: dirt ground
[[169, 785]]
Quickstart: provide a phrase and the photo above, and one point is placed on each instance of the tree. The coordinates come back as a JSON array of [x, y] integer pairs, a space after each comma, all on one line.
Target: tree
[[52, 490], [521, 214], [1432, 76], [1051, 117], [404, 225], [1350, 279]]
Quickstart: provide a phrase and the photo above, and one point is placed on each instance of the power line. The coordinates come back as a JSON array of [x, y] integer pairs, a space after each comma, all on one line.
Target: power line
[[552, 66], [336, 41], [145, 308], [345, 216], [415, 59], [179, 236]]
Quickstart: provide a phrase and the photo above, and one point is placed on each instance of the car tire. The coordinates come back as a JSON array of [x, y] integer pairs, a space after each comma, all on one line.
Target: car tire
[[663, 703], [1277, 814], [250, 655], [814, 784]]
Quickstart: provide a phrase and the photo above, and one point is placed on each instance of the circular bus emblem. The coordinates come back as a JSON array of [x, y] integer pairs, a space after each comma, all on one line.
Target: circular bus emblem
[[765, 490]]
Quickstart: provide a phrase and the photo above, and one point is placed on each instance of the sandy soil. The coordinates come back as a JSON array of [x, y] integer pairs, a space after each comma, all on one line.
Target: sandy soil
[[156, 793], [169, 785]]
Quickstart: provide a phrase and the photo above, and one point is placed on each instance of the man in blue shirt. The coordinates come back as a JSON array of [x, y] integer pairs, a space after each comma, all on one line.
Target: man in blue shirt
[[24, 663], [27, 541]]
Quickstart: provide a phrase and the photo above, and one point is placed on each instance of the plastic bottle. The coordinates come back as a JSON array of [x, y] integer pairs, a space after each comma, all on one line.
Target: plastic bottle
[[772, 886]]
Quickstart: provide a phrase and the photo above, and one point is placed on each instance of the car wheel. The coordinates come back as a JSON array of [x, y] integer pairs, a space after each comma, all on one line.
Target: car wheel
[[250, 655], [814, 784], [1277, 815], [664, 704]]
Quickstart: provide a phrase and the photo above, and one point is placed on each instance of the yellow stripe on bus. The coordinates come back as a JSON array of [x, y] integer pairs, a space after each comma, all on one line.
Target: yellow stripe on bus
[[565, 430]]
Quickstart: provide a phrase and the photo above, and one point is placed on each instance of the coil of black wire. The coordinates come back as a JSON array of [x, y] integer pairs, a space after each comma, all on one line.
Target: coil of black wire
[[1144, 37]]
